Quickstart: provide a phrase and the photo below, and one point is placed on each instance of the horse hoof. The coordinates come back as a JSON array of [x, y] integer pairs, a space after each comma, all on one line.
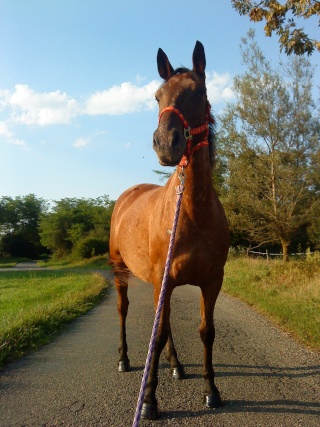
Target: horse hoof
[[124, 366], [149, 411], [213, 400], [178, 373]]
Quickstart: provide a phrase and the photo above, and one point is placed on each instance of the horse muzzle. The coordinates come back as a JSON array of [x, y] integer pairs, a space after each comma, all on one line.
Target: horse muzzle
[[169, 146]]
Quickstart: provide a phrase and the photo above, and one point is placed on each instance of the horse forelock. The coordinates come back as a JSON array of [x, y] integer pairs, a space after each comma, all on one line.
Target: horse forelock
[[181, 70]]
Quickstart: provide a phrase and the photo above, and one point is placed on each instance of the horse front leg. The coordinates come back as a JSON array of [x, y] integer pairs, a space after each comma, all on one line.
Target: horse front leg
[[121, 282], [212, 398], [150, 404]]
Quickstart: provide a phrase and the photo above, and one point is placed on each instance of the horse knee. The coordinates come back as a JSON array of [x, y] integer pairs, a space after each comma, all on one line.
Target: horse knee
[[207, 334], [162, 338]]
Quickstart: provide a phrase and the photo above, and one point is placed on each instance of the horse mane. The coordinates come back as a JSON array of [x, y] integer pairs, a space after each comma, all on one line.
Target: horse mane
[[212, 135], [212, 120]]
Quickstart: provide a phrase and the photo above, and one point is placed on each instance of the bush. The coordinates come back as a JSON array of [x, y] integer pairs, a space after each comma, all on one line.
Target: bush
[[92, 246]]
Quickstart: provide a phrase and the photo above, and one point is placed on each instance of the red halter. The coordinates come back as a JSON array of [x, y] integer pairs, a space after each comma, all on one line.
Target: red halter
[[189, 132]]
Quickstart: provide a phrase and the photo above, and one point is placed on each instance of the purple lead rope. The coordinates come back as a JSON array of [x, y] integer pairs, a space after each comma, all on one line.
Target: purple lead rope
[[179, 190]]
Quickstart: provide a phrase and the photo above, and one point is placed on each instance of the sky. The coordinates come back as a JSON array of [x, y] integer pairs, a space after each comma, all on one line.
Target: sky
[[77, 84]]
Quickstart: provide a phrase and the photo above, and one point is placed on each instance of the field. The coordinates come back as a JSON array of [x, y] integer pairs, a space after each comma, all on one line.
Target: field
[[288, 293], [35, 305]]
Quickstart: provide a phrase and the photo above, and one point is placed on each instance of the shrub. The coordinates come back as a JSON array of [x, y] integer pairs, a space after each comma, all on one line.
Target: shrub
[[92, 246]]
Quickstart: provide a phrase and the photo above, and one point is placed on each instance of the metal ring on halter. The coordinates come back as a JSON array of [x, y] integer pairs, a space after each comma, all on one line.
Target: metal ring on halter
[[187, 133], [182, 175]]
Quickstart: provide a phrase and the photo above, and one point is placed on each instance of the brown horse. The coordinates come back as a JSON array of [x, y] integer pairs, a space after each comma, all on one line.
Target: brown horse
[[143, 215]]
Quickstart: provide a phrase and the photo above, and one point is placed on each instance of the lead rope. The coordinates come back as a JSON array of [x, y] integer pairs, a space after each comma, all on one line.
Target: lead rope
[[179, 191]]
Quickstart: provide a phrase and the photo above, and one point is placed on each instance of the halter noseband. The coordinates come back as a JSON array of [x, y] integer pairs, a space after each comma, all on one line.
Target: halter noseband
[[189, 132]]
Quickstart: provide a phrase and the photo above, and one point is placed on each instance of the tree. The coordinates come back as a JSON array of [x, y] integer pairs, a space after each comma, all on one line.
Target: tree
[[19, 221], [268, 140], [72, 221], [314, 225], [277, 17]]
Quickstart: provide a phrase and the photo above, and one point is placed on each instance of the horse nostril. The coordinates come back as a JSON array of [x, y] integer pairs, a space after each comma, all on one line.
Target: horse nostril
[[175, 138]]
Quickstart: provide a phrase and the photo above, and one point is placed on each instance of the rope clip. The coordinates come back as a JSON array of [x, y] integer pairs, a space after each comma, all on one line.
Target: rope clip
[[182, 175]]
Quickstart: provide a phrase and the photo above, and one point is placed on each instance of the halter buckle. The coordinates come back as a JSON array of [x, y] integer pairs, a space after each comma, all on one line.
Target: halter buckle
[[187, 133]]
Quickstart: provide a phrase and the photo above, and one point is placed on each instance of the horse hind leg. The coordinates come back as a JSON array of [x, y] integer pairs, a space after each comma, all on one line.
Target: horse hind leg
[[121, 276], [177, 370], [212, 398]]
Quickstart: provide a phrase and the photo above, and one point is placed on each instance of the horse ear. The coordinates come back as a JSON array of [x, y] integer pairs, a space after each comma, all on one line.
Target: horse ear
[[164, 67], [199, 59]]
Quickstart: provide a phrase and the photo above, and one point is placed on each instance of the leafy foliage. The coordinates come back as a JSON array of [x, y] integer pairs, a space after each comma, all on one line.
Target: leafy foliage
[[92, 246], [29, 228], [19, 221], [269, 142], [281, 18], [72, 222]]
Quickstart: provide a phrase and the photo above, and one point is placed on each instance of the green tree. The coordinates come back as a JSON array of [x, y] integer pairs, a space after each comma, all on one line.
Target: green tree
[[72, 220], [19, 221], [281, 18], [268, 139], [314, 224]]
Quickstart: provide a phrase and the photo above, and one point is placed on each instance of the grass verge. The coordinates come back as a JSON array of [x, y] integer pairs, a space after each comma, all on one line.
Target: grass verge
[[35, 305], [288, 293], [98, 262]]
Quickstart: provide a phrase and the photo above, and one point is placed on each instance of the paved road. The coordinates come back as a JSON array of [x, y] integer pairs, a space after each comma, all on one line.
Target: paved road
[[265, 378], [24, 266]]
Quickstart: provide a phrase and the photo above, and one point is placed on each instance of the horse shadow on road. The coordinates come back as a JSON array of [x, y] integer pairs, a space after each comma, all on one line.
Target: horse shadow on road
[[276, 406]]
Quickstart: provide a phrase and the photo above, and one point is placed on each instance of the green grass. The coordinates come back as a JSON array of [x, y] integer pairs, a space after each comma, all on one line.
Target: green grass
[[288, 293], [35, 305], [98, 262]]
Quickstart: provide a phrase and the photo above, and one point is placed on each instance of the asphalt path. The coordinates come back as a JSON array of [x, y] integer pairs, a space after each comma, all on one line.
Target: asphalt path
[[265, 378]]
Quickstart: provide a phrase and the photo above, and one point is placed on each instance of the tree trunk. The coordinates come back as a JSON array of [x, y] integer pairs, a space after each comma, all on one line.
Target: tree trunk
[[285, 245]]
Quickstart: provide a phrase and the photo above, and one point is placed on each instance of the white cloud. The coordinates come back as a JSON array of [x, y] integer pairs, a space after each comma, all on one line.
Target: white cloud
[[123, 99], [19, 142], [4, 96], [25, 106], [41, 108], [81, 142], [4, 130], [219, 87]]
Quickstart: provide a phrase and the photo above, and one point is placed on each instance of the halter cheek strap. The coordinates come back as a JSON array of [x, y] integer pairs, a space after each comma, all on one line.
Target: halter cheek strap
[[189, 132]]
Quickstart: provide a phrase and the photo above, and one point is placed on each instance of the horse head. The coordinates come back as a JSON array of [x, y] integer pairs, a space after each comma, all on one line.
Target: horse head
[[183, 107]]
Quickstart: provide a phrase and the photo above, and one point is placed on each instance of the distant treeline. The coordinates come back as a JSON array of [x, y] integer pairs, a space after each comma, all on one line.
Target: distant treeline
[[34, 228]]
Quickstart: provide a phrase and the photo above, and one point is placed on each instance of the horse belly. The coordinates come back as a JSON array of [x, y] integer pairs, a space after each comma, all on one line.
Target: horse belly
[[130, 231]]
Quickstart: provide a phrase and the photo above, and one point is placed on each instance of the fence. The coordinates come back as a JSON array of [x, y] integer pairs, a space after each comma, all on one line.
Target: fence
[[268, 254]]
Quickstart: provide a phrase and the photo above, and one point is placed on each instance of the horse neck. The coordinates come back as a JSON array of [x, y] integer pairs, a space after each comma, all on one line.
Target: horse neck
[[198, 181]]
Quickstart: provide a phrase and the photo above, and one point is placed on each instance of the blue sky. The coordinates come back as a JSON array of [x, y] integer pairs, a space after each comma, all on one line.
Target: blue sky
[[77, 83]]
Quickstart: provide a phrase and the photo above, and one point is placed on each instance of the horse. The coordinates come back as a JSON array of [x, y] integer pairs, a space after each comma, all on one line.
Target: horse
[[142, 220]]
